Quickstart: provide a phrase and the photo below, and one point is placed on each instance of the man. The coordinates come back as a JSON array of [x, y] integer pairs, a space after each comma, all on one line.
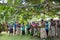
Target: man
[[23, 29], [28, 28], [14, 28]]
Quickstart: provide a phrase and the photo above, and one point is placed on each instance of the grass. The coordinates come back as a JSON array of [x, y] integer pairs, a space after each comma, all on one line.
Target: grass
[[19, 37]]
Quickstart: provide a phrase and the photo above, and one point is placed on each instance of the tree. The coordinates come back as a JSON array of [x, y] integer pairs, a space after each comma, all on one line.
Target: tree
[[1, 28]]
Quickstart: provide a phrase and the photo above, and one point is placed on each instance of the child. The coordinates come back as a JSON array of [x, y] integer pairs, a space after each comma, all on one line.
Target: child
[[23, 29]]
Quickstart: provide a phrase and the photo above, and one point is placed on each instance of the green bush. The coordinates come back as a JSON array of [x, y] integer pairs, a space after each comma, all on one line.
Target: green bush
[[0, 27]]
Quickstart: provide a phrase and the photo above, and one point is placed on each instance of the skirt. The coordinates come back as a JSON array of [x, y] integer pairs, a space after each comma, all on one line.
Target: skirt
[[52, 31], [43, 33], [17, 30], [58, 32]]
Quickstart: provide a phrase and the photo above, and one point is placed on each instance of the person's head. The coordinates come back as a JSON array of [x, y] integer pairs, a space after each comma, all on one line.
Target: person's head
[[42, 20], [51, 20]]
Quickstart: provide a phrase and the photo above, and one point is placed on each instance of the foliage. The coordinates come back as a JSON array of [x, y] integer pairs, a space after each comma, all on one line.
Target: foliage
[[1, 28], [20, 12]]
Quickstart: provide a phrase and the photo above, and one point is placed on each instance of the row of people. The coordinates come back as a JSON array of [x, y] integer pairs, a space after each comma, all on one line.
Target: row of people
[[44, 28], [18, 28], [51, 28]]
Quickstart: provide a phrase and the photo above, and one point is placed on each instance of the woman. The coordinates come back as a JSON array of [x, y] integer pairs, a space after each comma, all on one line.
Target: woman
[[58, 29], [18, 29], [32, 30], [52, 28], [42, 30]]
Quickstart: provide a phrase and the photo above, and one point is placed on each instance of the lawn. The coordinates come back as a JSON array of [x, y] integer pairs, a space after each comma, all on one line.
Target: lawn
[[19, 37], [5, 36]]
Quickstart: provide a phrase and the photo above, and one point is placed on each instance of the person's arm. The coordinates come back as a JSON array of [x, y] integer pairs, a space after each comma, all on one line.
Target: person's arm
[[50, 25]]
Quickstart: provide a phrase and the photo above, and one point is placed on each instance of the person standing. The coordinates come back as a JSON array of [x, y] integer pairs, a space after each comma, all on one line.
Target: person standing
[[32, 30], [28, 28], [42, 30], [14, 28], [47, 27], [18, 30], [23, 29], [10, 29], [52, 28], [58, 29]]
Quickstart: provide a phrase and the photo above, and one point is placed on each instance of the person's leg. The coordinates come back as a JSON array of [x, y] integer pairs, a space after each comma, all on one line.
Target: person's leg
[[47, 32], [14, 31], [23, 32], [9, 32], [32, 31], [18, 31], [28, 31]]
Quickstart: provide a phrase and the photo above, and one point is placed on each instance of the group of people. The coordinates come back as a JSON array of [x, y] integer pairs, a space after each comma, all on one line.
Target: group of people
[[50, 28], [42, 28], [18, 28]]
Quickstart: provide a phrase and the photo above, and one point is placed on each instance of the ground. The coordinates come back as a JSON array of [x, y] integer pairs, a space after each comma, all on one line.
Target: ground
[[5, 36]]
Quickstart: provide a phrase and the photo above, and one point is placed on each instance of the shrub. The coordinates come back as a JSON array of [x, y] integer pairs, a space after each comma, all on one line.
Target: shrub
[[1, 28]]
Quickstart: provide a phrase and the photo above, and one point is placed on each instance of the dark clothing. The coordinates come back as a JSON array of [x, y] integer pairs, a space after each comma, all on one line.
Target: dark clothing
[[47, 32], [32, 30], [11, 30], [28, 32], [52, 23], [58, 25], [23, 32]]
